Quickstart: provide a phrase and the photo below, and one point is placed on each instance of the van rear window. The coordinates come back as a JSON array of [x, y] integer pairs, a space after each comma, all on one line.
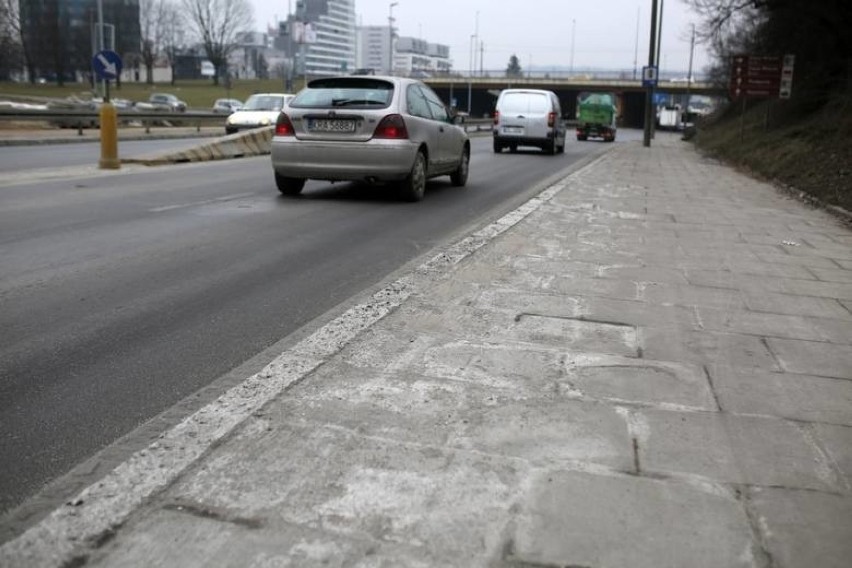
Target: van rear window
[[524, 102], [345, 92]]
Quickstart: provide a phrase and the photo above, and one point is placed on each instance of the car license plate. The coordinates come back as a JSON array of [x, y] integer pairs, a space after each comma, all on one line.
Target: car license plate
[[331, 125], [513, 130]]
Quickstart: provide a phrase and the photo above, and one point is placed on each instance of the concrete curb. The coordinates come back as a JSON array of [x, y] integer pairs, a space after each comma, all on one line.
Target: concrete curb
[[251, 143]]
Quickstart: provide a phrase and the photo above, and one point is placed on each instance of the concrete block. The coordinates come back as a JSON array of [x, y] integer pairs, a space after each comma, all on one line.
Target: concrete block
[[837, 441], [722, 297], [833, 275], [804, 528], [621, 379], [735, 449], [352, 486], [813, 358], [777, 325], [579, 519], [797, 305], [784, 395], [715, 350]]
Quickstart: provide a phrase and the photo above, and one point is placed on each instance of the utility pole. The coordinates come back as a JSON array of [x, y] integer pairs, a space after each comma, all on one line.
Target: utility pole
[[104, 83], [659, 68], [689, 73], [636, 49], [390, 37], [649, 90], [573, 37]]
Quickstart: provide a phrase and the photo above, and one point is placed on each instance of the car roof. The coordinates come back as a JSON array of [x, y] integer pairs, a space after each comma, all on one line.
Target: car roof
[[272, 95]]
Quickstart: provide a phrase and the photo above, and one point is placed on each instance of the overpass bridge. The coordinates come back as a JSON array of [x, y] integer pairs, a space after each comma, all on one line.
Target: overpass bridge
[[482, 92]]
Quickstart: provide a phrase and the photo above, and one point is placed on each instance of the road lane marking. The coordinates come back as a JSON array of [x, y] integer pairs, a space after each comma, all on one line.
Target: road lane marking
[[203, 202]]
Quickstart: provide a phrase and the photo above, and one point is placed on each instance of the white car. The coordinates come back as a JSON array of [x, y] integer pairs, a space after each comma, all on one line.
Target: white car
[[259, 110]]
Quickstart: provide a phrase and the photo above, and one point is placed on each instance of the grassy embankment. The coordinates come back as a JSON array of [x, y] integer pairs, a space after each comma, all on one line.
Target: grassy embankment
[[804, 150], [198, 94]]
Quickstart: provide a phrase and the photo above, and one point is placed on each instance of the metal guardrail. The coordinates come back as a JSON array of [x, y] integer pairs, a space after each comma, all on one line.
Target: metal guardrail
[[83, 118]]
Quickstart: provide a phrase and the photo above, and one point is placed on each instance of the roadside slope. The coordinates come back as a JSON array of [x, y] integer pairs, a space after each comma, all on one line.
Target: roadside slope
[[805, 151]]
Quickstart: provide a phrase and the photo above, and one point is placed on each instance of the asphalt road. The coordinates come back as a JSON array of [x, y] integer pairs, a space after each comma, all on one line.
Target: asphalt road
[[20, 158], [123, 295]]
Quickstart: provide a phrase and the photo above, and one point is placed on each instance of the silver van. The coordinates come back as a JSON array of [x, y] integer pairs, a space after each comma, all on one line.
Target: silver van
[[528, 117]]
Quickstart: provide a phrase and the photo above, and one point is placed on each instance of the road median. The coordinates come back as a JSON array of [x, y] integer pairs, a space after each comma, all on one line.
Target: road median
[[250, 143]]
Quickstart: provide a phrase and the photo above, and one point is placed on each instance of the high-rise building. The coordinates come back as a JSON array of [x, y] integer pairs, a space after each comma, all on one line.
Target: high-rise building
[[320, 37], [374, 48], [61, 36]]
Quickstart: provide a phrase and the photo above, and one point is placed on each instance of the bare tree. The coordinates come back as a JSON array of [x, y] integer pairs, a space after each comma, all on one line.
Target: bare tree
[[817, 33], [10, 38], [173, 36], [152, 20], [217, 23]]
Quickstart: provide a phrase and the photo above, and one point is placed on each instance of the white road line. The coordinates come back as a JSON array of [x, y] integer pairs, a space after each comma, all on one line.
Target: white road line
[[199, 203]]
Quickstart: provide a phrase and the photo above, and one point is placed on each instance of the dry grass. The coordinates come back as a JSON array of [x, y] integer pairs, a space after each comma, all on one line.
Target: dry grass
[[197, 94], [811, 153]]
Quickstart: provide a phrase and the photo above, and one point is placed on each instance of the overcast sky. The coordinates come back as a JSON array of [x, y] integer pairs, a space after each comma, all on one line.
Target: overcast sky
[[537, 31]]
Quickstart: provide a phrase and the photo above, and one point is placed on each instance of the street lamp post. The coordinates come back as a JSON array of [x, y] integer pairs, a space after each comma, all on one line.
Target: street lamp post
[[390, 37], [470, 75], [649, 92], [573, 37]]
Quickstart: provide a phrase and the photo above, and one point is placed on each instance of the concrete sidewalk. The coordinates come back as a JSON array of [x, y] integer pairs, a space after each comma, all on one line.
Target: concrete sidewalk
[[648, 365]]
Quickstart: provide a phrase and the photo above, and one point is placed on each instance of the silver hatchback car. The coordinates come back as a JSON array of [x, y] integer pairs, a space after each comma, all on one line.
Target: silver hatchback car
[[368, 128]]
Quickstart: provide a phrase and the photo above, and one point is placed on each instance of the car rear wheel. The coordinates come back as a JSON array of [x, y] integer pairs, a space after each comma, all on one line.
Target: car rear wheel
[[413, 187], [550, 147], [288, 185], [459, 177], [497, 147]]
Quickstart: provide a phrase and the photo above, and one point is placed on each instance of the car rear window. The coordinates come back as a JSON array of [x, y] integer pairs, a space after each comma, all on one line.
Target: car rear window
[[345, 92], [264, 102], [524, 102]]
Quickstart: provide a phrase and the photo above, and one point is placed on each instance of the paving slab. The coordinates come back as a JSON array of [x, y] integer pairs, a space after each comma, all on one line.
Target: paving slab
[[595, 521], [735, 449], [804, 528], [812, 357], [785, 395]]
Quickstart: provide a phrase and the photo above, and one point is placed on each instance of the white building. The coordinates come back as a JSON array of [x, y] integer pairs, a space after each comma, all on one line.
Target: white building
[[320, 37], [412, 57], [374, 48], [416, 57]]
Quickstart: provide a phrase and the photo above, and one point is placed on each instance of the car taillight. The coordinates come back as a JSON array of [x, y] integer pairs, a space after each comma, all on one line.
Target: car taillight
[[392, 126], [496, 117], [551, 119], [284, 127]]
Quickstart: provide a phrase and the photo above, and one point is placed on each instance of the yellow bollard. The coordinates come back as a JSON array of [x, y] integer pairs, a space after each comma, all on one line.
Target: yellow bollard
[[109, 138]]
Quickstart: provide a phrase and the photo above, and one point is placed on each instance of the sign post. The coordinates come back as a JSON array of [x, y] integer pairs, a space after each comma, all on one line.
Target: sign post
[[107, 65], [760, 77]]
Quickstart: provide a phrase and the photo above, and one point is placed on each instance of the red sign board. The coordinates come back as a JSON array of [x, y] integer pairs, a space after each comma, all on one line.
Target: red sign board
[[763, 76]]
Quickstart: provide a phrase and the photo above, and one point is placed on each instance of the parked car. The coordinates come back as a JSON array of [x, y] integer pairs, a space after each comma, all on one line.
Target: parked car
[[227, 106], [373, 129], [165, 101], [528, 117], [259, 110]]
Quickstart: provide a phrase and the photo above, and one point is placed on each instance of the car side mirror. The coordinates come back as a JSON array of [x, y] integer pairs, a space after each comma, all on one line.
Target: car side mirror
[[457, 119]]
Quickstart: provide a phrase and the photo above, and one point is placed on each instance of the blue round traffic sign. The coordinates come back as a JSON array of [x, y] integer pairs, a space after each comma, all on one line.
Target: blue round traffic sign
[[107, 64]]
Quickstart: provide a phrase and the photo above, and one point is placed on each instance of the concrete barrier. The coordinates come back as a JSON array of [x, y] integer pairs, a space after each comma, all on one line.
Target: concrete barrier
[[249, 143]]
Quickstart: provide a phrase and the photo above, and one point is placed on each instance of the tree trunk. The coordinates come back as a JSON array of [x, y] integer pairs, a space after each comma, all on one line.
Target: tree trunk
[[149, 73]]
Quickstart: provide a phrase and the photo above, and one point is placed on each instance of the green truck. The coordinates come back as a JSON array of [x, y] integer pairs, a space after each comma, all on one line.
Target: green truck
[[596, 116]]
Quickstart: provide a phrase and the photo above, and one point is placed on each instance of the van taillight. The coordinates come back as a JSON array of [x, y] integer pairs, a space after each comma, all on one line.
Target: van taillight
[[551, 119], [283, 127], [392, 126], [496, 117]]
